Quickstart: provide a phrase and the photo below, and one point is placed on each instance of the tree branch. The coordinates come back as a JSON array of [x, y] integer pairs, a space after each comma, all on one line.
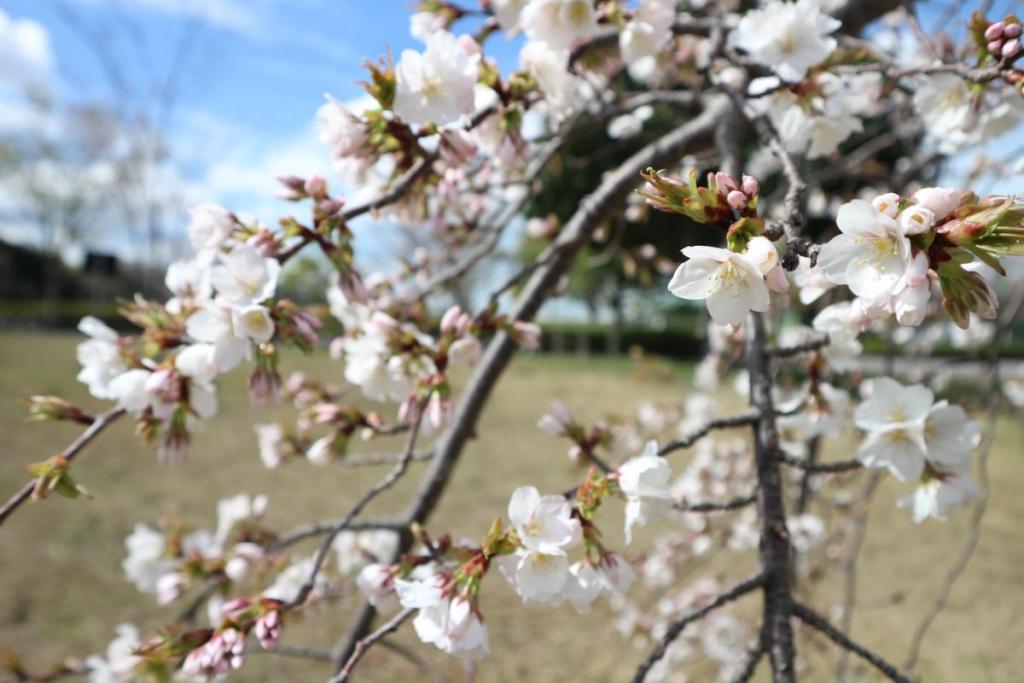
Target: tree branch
[[366, 643], [815, 620], [101, 422], [737, 591], [384, 484]]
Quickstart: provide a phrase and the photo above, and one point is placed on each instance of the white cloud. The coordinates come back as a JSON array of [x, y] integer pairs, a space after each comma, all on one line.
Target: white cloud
[[232, 15], [25, 57]]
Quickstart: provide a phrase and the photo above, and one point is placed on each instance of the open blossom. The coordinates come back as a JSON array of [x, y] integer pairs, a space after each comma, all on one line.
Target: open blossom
[[371, 365], [436, 85], [949, 435], [239, 508], [210, 226], [189, 281], [147, 558], [548, 66], [377, 582], [789, 37], [244, 277], [449, 622], [871, 255], [544, 524], [536, 577], [645, 481], [507, 13], [940, 490], [99, 357], [341, 130], [559, 23], [270, 440], [354, 549], [612, 574], [732, 284], [289, 582], [894, 419], [956, 115], [118, 664], [229, 332], [646, 36]]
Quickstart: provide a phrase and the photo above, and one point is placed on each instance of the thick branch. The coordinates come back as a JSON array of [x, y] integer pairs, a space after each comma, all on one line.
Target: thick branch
[[612, 191], [737, 591], [815, 620], [777, 632], [98, 425]]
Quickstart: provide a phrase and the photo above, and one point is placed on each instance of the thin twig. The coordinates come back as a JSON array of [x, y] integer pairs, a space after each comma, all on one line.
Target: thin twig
[[384, 484], [366, 643], [742, 420], [815, 620], [734, 504], [737, 591], [822, 467], [91, 432], [750, 661], [301, 533], [1003, 331]]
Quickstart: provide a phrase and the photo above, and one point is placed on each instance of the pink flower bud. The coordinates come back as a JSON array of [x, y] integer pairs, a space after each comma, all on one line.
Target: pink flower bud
[[234, 608], [268, 629], [995, 31], [450, 319], [939, 200], [736, 199], [995, 46], [330, 206], [1012, 31], [294, 187], [469, 46], [750, 186], [316, 186], [1011, 47], [725, 182], [526, 335]]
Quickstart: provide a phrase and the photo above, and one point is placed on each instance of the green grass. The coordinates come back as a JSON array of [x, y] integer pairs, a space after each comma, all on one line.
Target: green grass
[[61, 590]]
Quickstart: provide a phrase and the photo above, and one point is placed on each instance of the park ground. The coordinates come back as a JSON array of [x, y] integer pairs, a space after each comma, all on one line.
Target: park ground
[[61, 590]]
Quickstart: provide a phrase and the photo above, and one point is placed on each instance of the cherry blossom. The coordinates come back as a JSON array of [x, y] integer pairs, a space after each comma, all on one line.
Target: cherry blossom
[[732, 284], [210, 227], [871, 255], [644, 480], [940, 490], [544, 524], [244, 277], [117, 664], [558, 23], [789, 37], [437, 84], [894, 419]]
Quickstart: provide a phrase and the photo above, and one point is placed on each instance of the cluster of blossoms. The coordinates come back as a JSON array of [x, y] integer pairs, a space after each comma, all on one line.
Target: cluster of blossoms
[[444, 128], [917, 438], [166, 562]]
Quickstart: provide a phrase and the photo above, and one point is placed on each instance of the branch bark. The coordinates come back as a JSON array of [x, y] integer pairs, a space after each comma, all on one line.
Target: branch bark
[[73, 449]]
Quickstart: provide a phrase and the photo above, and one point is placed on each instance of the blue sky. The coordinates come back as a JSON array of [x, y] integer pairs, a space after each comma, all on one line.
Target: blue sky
[[252, 75]]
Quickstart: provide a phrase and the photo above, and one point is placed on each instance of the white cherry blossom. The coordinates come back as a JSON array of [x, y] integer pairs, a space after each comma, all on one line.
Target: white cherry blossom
[[894, 419], [871, 255], [147, 558], [99, 357], [949, 435], [732, 285], [437, 84], [939, 491], [544, 524], [789, 37], [210, 226], [645, 481], [244, 277], [117, 664], [341, 130], [558, 23], [536, 577]]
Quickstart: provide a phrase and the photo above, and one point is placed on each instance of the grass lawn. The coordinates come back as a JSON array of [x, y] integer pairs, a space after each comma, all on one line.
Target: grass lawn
[[62, 593]]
